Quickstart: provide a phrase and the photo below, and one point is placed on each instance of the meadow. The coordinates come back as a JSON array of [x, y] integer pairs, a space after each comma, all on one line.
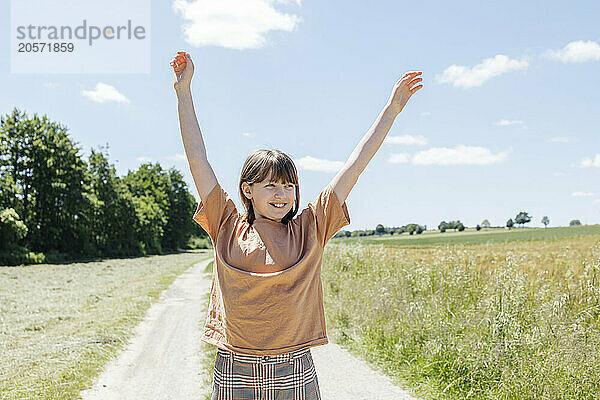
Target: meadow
[[481, 315], [486, 315], [61, 323]]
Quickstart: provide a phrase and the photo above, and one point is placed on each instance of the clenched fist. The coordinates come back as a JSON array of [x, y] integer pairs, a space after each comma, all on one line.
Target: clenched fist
[[183, 67]]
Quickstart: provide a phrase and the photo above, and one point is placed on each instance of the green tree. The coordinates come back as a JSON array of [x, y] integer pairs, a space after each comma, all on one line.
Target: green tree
[[182, 205], [149, 188], [163, 206], [509, 223], [574, 222], [522, 218], [43, 179], [485, 223], [442, 226], [12, 229], [114, 214], [545, 221]]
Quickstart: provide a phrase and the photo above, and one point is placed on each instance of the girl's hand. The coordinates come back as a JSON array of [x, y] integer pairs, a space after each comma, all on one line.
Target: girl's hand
[[403, 89], [183, 67]]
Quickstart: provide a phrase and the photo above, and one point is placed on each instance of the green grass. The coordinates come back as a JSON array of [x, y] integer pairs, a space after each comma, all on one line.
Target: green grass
[[497, 315], [60, 324], [474, 237], [516, 320]]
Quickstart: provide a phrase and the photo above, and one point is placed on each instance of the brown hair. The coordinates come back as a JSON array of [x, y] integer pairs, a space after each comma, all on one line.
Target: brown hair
[[261, 164]]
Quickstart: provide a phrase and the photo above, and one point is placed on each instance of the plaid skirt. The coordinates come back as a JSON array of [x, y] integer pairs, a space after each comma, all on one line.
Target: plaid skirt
[[289, 376]]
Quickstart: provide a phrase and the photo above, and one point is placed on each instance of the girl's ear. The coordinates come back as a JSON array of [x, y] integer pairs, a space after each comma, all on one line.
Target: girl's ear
[[247, 190]]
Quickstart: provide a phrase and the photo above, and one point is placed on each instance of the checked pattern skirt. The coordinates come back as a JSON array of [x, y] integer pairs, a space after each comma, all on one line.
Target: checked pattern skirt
[[289, 376]]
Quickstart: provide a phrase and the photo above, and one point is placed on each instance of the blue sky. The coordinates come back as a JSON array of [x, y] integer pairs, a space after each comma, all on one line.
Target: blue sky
[[507, 120]]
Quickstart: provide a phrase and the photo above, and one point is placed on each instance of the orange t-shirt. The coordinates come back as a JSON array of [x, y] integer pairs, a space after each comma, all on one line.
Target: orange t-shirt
[[252, 309]]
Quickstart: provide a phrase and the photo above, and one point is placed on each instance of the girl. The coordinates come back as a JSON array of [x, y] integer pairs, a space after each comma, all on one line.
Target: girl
[[266, 300]]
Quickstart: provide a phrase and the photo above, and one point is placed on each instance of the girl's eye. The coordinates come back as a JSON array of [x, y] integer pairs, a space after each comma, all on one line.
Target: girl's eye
[[289, 185]]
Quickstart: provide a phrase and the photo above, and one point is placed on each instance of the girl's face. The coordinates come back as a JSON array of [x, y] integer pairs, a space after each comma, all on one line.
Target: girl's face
[[272, 200]]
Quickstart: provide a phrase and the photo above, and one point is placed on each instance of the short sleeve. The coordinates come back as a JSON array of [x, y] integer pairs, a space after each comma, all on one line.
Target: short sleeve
[[216, 210], [329, 214]]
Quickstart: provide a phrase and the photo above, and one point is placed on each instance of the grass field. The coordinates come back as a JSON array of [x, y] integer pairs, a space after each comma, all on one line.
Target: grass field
[[59, 324], [501, 319], [472, 236], [481, 315]]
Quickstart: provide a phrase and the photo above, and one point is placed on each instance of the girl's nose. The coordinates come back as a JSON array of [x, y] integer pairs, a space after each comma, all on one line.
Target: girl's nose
[[280, 192]]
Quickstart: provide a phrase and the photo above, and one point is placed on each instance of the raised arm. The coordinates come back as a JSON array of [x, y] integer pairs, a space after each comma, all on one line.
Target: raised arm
[[202, 172], [346, 178]]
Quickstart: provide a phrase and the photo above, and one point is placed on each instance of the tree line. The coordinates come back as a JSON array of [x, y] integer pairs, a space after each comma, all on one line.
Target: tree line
[[56, 206], [521, 219]]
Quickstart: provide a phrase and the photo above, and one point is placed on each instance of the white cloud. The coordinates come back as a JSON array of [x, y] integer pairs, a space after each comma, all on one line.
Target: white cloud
[[560, 139], [406, 140], [103, 93], [468, 77], [559, 174], [588, 162], [399, 158], [234, 24], [50, 84], [459, 155], [317, 164], [575, 52], [179, 157], [247, 134], [597, 201], [582, 194], [143, 159], [506, 122]]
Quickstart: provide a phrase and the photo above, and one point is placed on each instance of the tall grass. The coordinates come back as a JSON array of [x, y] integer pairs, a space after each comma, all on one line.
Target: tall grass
[[497, 321]]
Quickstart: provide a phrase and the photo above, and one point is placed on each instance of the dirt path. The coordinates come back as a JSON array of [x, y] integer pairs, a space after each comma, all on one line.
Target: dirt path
[[163, 358], [343, 376]]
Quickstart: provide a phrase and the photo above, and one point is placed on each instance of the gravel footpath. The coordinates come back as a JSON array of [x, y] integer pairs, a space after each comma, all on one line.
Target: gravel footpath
[[162, 361]]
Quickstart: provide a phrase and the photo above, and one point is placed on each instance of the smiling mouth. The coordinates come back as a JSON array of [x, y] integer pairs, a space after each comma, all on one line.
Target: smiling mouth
[[278, 205]]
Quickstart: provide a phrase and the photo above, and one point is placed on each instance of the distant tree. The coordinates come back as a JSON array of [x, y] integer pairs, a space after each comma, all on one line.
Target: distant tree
[[574, 222], [485, 223], [478, 227], [442, 226], [545, 221], [509, 223], [522, 218], [419, 229], [411, 228], [380, 229], [461, 228]]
